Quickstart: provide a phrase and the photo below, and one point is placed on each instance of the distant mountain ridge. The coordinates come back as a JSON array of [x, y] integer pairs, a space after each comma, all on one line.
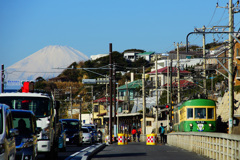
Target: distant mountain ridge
[[44, 62]]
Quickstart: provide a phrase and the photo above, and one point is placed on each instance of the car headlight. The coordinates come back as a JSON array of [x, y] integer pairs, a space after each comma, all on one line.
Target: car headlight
[[2, 150], [45, 133]]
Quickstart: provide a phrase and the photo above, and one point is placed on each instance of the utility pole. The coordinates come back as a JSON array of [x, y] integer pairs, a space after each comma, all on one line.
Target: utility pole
[[178, 74], [114, 102], [92, 105], [204, 63], [170, 114], [144, 106], [71, 100], [2, 78], [168, 80], [156, 87], [230, 66], [127, 95], [117, 110], [110, 92]]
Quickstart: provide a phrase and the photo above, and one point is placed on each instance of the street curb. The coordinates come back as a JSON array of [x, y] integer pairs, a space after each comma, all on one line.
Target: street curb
[[87, 153]]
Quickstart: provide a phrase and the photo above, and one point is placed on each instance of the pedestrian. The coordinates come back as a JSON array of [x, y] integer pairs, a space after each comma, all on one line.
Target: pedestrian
[[138, 135], [162, 131], [134, 131]]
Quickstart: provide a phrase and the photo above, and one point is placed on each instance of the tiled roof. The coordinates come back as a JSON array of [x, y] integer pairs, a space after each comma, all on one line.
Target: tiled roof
[[183, 84], [132, 85], [146, 53], [103, 99], [164, 70]]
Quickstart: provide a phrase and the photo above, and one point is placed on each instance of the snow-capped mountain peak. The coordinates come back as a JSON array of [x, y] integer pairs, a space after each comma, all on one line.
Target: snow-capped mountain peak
[[44, 62]]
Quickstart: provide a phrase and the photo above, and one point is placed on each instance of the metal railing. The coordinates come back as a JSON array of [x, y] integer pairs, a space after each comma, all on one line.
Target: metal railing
[[218, 146]]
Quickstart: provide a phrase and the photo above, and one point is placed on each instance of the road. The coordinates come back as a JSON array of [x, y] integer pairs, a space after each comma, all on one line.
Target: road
[[141, 151], [71, 149]]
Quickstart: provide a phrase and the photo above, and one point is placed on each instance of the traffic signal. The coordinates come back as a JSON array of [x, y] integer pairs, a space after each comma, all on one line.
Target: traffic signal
[[28, 86], [167, 106]]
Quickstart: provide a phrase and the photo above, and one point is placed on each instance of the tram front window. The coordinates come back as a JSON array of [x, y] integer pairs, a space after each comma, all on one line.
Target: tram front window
[[200, 113], [189, 113], [210, 113]]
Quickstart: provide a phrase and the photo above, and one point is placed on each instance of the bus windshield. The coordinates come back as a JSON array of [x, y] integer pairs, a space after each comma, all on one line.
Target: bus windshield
[[41, 107]]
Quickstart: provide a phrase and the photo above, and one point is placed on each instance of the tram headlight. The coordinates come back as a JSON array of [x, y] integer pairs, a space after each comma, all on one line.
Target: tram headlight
[[190, 124], [210, 125]]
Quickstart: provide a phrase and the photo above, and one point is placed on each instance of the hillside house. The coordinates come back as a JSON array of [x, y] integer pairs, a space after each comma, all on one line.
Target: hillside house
[[163, 75], [101, 109]]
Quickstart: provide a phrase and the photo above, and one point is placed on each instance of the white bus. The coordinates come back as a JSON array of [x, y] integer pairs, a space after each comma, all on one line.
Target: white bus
[[45, 109]]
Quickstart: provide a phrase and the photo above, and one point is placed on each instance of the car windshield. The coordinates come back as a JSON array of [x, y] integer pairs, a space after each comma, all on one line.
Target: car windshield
[[23, 123], [41, 107], [85, 130], [1, 121], [71, 125]]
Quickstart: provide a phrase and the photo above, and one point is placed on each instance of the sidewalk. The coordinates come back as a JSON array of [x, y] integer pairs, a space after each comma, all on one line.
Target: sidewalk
[[141, 151]]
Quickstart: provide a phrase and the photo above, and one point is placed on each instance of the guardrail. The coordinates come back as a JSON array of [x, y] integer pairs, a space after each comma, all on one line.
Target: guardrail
[[220, 146]]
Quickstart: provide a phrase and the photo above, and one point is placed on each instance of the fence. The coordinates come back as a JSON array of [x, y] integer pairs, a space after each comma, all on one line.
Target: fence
[[218, 146]]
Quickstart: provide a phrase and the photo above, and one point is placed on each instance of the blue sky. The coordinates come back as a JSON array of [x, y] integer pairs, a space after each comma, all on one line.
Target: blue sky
[[90, 25]]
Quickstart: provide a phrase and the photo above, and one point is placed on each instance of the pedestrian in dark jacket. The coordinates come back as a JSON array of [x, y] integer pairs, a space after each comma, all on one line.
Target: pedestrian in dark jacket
[[138, 135], [162, 131]]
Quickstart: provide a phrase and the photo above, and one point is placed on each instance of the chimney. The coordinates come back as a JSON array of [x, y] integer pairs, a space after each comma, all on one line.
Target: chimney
[[132, 77]]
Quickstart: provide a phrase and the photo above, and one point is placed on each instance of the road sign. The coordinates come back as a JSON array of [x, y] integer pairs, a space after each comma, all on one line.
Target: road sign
[[102, 80], [89, 81]]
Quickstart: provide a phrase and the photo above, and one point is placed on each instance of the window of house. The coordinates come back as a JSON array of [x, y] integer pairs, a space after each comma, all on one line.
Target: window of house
[[149, 123], [95, 108]]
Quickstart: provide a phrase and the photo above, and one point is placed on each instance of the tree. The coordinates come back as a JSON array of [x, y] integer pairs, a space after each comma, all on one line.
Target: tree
[[39, 79]]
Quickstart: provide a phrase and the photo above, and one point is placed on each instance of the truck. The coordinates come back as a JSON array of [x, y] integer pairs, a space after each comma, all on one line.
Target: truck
[[45, 108]]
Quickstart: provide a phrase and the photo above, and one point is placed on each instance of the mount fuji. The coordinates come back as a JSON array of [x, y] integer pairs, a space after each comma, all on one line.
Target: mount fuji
[[43, 63]]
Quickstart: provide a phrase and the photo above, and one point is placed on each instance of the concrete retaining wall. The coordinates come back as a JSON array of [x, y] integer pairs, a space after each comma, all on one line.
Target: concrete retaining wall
[[218, 146]]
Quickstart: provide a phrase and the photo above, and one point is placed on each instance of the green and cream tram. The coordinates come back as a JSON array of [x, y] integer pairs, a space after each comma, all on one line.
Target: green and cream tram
[[196, 115]]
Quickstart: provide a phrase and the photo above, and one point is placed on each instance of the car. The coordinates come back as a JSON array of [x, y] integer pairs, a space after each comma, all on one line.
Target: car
[[62, 138], [26, 140], [93, 133], [87, 136], [73, 131], [90, 125], [7, 134]]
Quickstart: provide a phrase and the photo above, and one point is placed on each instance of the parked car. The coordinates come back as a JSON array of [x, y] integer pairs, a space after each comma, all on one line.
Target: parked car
[[73, 131], [87, 136], [93, 133], [26, 141], [90, 125], [62, 138], [7, 134]]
